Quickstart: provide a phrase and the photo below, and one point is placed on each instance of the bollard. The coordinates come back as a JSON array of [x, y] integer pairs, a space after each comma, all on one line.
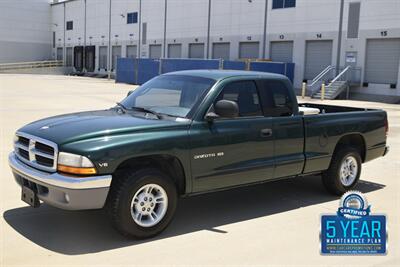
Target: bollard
[[303, 90], [323, 91]]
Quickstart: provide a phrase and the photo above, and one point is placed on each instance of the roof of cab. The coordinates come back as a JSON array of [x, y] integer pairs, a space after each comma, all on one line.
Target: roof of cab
[[222, 74]]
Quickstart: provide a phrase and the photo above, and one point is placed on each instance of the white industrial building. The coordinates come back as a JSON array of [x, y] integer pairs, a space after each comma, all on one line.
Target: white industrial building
[[313, 34], [25, 30]]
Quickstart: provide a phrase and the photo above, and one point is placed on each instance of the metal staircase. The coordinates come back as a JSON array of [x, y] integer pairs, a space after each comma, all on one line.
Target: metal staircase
[[333, 90], [335, 87], [314, 86]]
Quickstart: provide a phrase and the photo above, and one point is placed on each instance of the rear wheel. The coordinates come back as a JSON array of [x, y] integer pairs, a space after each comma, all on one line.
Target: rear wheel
[[142, 203], [344, 171]]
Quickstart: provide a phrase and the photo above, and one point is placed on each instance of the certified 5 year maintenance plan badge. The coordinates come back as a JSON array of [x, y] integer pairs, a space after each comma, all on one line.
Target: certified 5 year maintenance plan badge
[[353, 230]]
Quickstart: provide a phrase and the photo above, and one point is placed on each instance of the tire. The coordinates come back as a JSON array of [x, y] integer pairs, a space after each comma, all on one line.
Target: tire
[[338, 182], [125, 211]]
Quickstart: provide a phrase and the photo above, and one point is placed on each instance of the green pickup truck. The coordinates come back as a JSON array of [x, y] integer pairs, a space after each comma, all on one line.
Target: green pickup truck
[[190, 132]]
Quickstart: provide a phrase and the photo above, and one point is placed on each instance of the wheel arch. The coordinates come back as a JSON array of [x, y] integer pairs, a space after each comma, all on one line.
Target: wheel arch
[[169, 164], [355, 140]]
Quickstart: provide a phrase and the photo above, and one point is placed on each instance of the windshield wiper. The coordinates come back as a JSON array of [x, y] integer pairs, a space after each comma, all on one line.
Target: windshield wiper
[[146, 110]]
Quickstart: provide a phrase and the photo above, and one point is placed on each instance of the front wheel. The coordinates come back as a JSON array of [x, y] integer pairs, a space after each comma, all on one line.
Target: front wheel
[[142, 203], [344, 171]]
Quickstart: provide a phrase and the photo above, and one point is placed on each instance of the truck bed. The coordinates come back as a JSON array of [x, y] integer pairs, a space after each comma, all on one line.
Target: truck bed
[[333, 109], [324, 130]]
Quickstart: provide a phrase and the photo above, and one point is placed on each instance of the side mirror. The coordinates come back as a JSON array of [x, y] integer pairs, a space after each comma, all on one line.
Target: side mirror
[[224, 109], [129, 93], [210, 116]]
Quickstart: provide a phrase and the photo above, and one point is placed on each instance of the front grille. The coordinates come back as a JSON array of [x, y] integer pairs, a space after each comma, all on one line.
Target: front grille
[[23, 140], [23, 153], [36, 152], [44, 161], [44, 148]]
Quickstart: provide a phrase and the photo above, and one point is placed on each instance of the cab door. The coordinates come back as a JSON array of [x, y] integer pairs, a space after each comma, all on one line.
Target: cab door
[[233, 151], [287, 126]]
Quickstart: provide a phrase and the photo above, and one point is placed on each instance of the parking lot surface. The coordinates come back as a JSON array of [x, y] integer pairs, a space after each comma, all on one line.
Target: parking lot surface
[[275, 223]]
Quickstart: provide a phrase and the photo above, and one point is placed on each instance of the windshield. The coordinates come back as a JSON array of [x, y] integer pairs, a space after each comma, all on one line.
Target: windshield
[[173, 95]]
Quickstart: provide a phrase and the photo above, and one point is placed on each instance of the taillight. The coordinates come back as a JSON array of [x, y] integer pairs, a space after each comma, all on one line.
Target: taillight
[[386, 127]]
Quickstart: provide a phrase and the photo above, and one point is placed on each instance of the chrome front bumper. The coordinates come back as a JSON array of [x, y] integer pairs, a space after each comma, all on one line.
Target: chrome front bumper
[[63, 191]]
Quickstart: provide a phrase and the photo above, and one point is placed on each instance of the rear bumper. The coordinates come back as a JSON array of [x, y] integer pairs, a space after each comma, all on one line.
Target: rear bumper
[[376, 152], [386, 151], [62, 191]]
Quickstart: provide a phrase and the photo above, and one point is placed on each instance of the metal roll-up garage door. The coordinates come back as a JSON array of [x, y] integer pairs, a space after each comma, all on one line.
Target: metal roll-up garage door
[[69, 57], [249, 50], [131, 51], [282, 51], [116, 53], [174, 50], [103, 57], [221, 50], [318, 57], [382, 61], [90, 55], [196, 50], [59, 53], [155, 51], [78, 58]]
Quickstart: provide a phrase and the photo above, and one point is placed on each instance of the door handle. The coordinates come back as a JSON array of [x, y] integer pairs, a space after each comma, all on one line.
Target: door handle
[[266, 132]]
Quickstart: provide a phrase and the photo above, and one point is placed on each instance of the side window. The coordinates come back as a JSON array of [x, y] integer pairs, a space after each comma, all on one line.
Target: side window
[[245, 94], [275, 99]]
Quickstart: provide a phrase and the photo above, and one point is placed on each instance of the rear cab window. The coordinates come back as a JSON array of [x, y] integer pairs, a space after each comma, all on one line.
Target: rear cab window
[[275, 98]]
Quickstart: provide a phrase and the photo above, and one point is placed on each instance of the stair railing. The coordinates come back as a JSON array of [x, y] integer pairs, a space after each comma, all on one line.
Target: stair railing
[[322, 73], [340, 75], [316, 83]]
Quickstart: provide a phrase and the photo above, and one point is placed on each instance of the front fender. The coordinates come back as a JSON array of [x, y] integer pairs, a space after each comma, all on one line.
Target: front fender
[[108, 152]]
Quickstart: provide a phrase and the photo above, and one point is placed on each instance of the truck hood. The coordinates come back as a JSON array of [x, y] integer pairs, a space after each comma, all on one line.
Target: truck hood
[[91, 124]]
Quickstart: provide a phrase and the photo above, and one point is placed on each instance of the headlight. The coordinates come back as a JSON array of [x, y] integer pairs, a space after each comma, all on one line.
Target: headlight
[[75, 164]]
